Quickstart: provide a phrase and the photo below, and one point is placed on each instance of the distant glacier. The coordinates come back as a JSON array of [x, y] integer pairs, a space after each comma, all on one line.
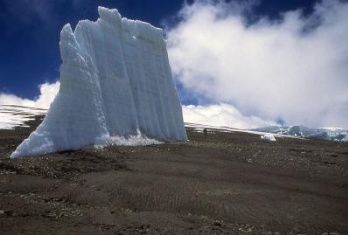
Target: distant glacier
[[116, 83], [324, 133]]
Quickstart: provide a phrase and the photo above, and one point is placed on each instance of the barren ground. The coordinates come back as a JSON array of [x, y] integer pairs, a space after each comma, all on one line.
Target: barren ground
[[219, 183]]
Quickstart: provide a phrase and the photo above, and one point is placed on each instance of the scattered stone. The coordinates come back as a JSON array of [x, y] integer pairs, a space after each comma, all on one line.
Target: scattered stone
[[217, 223]]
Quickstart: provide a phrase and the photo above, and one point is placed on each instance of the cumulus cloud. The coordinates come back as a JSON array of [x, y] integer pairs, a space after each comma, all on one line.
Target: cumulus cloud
[[294, 68], [221, 115], [48, 92]]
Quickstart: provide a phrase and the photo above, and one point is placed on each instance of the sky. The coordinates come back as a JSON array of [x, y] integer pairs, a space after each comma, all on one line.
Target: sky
[[243, 64]]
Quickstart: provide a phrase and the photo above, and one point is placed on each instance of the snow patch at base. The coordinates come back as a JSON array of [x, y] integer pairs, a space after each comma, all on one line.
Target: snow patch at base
[[42, 145], [47, 146], [133, 140]]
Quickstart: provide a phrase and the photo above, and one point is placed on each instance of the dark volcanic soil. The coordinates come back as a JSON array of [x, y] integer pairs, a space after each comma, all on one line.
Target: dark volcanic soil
[[219, 183]]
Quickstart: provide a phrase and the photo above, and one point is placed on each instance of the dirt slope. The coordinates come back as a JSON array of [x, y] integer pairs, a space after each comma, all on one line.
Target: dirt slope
[[218, 183]]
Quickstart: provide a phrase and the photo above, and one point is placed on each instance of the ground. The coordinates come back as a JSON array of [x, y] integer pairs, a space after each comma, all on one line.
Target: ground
[[217, 183]]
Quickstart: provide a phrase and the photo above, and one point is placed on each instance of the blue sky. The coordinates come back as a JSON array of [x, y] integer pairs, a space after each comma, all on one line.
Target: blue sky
[[239, 63]]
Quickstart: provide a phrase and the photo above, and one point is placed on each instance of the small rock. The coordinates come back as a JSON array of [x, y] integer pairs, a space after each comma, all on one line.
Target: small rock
[[217, 223]]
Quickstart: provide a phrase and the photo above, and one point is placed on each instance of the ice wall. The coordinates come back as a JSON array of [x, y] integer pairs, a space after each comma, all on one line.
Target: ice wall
[[115, 82]]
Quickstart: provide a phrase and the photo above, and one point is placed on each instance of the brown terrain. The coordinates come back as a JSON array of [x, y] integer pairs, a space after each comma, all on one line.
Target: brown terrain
[[217, 183]]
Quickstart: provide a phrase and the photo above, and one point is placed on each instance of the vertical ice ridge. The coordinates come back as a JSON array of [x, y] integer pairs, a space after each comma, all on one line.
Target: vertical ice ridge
[[132, 90], [91, 70], [115, 81]]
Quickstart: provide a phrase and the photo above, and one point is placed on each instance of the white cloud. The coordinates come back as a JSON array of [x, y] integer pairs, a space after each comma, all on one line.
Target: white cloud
[[47, 93], [295, 68], [221, 115]]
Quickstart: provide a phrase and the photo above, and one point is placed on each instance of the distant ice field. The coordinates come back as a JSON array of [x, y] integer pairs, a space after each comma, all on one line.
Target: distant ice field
[[12, 116], [15, 116]]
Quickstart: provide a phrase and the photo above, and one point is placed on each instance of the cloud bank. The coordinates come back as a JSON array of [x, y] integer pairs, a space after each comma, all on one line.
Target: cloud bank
[[222, 115], [294, 68], [48, 92]]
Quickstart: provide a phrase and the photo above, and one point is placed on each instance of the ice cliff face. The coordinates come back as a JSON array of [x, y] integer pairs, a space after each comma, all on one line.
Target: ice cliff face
[[115, 81]]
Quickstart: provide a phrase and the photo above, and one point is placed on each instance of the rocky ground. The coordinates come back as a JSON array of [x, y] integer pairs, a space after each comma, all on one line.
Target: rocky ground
[[217, 183]]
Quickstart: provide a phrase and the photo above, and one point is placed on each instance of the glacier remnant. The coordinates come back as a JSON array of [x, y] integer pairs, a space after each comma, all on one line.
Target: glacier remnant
[[115, 82]]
